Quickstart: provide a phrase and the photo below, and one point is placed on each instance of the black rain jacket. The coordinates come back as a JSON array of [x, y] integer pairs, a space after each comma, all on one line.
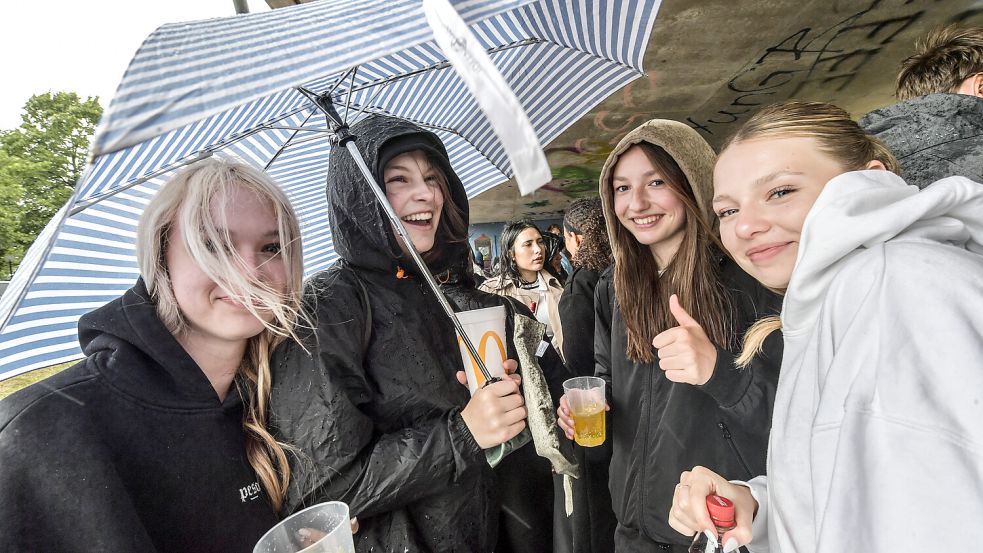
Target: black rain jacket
[[659, 428], [375, 410], [591, 527], [128, 450]]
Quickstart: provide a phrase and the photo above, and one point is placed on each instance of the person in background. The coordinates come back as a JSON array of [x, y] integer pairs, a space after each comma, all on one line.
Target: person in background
[[157, 440], [667, 325], [525, 276], [375, 411], [562, 266], [524, 480], [875, 444], [936, 129], [591, 528]]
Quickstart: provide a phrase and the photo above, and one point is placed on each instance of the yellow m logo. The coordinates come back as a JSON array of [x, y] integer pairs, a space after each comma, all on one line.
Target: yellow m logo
[[483, 353]]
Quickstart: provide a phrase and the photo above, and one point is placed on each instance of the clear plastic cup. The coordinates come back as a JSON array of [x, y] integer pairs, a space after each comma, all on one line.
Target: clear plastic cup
[[585, 398], [323, 528]]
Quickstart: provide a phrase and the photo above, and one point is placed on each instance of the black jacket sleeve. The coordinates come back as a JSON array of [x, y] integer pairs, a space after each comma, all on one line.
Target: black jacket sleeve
[[577, 319], [603, 303], [318, 405]]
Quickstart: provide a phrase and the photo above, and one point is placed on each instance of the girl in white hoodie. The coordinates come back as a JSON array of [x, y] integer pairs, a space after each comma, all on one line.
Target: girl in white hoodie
[[877, 436]]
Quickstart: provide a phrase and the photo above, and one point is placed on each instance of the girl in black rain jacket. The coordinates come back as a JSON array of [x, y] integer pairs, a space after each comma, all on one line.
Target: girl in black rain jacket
[[376, 413], [667, 413]]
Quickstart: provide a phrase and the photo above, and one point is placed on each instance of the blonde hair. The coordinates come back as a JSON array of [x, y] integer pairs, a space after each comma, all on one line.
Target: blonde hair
[[837, 135], [942, 61], [186, 201]]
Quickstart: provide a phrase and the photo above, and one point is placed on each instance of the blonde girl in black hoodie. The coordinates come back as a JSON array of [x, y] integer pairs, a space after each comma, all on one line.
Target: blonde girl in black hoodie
[[157, 440]]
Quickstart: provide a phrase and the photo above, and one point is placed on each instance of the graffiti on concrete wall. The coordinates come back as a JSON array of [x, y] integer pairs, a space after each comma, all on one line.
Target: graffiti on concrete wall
[[822, 61]]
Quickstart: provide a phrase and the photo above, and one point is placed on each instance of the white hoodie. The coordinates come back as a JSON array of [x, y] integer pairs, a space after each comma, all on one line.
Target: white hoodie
[[877, 438]]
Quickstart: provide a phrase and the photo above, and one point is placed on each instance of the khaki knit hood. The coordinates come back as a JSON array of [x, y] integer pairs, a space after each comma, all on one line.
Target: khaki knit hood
[[693, 155]]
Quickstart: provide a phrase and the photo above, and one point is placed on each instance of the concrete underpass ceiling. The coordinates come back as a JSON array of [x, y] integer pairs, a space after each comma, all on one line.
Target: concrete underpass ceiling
[[711, 63]]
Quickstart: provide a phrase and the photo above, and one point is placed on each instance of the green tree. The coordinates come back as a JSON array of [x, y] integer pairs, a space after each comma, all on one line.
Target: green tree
[[40, 162]]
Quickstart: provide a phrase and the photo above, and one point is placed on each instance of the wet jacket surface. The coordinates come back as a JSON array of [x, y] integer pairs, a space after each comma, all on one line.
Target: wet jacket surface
[[376, 415], [933, 136], [659, 428], [128, 450]]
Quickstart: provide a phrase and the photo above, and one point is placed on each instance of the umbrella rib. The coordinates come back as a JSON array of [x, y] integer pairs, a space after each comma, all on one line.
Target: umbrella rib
[[442, 65], [339, 81], [188, 160], [377, 111], [349, 102], [288, 140]]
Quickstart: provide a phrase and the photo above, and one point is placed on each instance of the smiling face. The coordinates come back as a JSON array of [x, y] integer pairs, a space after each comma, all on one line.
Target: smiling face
[[413, 187], [763, 190], [529, 251], [214, 315], [646, 206]]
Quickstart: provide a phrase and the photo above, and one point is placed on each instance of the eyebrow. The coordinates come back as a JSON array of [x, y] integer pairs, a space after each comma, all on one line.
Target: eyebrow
[[759, 182], [644, 175], [273, 233]]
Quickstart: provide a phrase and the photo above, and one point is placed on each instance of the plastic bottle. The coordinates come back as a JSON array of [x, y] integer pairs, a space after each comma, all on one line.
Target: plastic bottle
[[722, 515]]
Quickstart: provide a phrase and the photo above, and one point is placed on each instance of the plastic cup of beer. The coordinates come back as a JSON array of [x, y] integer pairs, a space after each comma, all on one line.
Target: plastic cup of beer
[[585, 398], [323, 528]]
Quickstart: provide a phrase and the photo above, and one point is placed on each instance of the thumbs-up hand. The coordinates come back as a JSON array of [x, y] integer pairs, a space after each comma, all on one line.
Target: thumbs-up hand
[[685, 353]]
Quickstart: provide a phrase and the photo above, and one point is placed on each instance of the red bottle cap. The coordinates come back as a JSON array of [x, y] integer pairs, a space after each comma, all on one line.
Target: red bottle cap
[[721, 511]]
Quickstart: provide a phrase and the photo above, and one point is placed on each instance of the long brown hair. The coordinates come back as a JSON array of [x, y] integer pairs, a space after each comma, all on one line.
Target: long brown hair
[[837, 135], [693, 274]]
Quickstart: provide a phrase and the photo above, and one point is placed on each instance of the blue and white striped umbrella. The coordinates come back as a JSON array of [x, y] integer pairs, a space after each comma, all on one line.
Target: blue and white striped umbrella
[[226, 87]]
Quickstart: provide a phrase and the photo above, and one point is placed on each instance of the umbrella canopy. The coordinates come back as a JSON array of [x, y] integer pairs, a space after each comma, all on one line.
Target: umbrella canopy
[[227, 87]]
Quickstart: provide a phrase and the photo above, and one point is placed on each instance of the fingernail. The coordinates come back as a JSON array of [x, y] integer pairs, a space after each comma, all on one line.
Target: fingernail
[[731, 545], [711, 537]]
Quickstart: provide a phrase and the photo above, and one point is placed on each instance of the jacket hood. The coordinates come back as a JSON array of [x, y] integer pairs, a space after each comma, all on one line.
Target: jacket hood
[[362, 234], [138, 355], [693, 155], [876, 206], [932, 136]]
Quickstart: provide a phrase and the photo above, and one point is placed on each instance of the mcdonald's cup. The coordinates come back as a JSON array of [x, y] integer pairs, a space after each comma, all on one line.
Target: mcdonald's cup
[[486, 329]]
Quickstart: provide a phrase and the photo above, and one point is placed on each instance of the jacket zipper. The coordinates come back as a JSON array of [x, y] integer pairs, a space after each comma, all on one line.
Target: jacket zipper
[[730, 440]]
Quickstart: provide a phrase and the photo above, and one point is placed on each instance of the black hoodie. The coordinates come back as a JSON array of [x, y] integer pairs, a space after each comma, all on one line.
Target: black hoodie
[[376, 415], [129, 450]]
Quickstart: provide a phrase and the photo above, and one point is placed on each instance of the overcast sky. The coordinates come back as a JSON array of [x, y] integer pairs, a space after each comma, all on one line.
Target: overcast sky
[[82, 46]]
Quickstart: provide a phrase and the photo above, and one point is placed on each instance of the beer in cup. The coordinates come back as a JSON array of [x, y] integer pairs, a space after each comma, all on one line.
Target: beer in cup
[[585, 398]]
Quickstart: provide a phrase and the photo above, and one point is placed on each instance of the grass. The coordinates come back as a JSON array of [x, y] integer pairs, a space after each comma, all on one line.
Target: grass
[[11, 385]]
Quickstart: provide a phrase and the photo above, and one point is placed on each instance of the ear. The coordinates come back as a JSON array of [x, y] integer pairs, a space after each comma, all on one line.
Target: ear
[[972, 86], [875, 165], [578, 238]]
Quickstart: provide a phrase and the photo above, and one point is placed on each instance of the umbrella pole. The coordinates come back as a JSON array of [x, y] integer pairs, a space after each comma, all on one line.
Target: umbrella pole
[[346, 139]]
